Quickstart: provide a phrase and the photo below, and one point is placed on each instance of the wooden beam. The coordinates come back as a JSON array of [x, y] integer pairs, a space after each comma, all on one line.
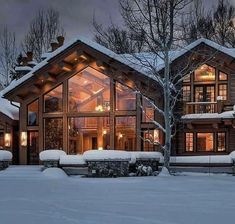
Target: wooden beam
[[65, 66], [189, 126]]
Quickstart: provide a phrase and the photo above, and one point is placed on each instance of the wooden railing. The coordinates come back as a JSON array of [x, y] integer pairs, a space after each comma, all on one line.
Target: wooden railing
[[200, 107]]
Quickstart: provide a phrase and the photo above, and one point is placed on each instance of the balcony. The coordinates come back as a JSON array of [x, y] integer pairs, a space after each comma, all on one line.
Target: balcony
[[200, 107]]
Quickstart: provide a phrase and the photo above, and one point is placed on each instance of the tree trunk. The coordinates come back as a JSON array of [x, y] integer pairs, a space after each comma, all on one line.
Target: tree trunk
[[167, 117]]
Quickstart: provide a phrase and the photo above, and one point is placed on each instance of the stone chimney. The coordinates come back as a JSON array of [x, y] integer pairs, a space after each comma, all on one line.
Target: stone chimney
[[54, 46], [60, 40], [29, 56]]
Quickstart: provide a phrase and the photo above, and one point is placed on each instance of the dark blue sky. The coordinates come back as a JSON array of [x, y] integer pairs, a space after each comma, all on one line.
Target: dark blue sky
[[76, 15]]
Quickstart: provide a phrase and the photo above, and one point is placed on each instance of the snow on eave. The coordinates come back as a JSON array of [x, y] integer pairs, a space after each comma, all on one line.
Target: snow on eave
[[224, 115], [8, 109]]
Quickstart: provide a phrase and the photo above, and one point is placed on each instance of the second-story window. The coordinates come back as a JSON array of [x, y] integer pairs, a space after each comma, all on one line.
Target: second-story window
[[187, 93], [204, 73]]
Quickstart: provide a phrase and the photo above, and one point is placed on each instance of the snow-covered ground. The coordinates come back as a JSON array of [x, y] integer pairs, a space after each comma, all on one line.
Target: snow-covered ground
[[27, 196]]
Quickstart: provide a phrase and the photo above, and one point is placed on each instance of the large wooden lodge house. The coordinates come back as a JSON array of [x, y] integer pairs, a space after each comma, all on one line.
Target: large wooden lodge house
[[82, 96]]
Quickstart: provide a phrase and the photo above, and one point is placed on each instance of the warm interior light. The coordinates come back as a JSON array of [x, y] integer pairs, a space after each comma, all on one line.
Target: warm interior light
[[23, 138], [100, 148], [7, 140], [104, 132], [99, 108], [120, 135]]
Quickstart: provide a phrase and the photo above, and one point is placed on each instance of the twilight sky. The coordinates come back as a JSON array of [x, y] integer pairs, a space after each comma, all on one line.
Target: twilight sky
[[76, 15]]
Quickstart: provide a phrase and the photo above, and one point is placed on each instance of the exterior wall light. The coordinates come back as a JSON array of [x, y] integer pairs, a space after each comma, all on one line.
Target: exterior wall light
[[23, 138], [7, 140]]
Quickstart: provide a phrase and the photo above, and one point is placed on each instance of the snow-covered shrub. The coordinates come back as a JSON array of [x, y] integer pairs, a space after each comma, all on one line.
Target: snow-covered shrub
[[144, 170], [5, 155], [54, 173]]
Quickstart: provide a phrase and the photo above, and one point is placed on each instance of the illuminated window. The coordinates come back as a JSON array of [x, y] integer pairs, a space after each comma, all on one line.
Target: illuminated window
[[223, 91], [89, 91], [150, 138], [186, 93], [53, 133], [223, 76], [148, 114], [86, 133], [189, 142], [53, 100], [33, 113], [125, 130], [221, 141], [204, 73], [205, 142], [125, 98]]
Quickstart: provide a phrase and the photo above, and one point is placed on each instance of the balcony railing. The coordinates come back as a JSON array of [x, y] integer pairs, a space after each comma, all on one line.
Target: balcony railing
[[201, 107]]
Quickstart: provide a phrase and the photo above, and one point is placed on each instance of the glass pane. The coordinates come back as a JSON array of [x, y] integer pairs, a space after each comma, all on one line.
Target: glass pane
[[223, 91], [53, 101], [125, 138], [210, 94], [89, 91], [186, 93], [33, 148], [53, 133], [204, 73], [221, 141], [125, 98], [205, 142], [189, 142], [86, 133], [1, 139], [148, 114], [151, 138], [33, 113], [223, 76]]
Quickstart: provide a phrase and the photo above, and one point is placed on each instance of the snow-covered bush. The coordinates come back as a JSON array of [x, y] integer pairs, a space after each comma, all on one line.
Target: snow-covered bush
[[51, 155], [72, 160], [5, 155], [54, 173], [144, 170]]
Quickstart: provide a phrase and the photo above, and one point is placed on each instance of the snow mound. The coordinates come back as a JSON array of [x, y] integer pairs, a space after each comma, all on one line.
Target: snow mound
[[54, 173], [93, 155], [202, 159], [5, 155], [72, 160], [52, 154], [164, 172], [232, 155], [145, 155]]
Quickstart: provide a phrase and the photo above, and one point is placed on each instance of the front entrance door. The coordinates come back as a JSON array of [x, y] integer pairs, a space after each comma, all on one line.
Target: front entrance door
[[204, 94], [33, 148]]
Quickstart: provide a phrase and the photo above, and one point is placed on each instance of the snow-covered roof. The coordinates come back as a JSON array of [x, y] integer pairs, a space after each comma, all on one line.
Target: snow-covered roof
[[8, 109], [128, 60], [224, 115]]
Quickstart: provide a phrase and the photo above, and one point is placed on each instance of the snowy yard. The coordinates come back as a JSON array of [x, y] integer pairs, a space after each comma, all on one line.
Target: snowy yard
[[28, 197]]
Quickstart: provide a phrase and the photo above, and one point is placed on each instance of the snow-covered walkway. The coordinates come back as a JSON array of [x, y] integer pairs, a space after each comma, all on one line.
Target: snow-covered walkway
[[28, 197]]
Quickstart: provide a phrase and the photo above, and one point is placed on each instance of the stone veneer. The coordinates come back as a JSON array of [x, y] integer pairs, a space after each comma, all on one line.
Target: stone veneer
[[108, 168]]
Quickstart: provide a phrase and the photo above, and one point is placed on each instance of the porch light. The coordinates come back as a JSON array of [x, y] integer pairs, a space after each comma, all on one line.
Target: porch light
[[23, 138], [7, 140], [100, 148]]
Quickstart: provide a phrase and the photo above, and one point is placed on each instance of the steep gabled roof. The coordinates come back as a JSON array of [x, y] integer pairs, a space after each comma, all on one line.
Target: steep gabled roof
[[125, 59]]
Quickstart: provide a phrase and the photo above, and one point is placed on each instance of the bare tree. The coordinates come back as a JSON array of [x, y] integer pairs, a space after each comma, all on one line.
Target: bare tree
[[43, 29], [198, 23], [159, 21], [119, 40], [8, 55], [223, 22]]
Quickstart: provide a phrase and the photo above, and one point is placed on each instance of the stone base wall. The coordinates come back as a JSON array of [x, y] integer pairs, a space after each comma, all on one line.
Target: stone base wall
[[51, 163], [108, 168]]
